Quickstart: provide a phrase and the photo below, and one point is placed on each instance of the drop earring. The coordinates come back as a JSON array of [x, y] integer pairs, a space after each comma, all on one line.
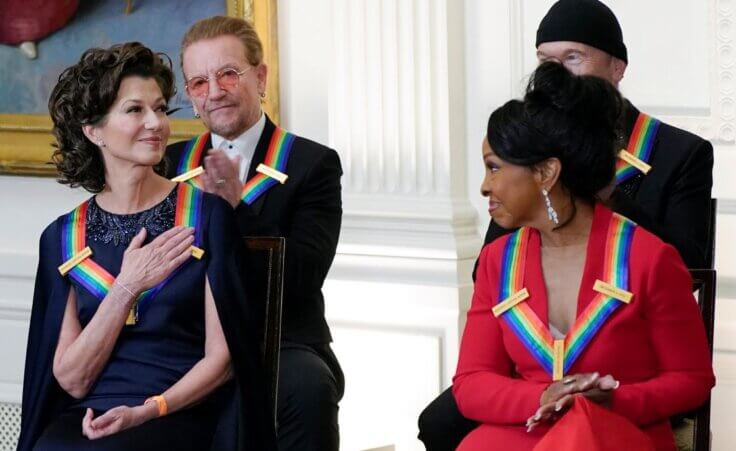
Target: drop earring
[[551, 213], [196, 113]]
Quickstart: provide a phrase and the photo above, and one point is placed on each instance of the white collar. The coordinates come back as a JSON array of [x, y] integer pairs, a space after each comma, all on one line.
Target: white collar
[[245, 143]]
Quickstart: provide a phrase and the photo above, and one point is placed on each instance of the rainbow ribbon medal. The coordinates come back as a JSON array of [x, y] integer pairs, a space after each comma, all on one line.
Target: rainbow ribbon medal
[[635, 157], [190, 160], [96, 279], [522, 320], [277, 156], [558, 356]]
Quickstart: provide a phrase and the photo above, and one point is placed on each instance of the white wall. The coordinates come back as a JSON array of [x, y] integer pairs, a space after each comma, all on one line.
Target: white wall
[[382, 82], [403, 89], [29, 204]]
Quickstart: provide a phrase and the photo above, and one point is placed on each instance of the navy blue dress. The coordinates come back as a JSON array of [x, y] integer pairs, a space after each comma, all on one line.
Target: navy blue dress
[[152, 355]]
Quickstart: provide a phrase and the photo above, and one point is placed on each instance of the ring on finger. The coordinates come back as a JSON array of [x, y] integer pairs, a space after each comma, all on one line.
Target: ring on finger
[[220, 182], [568, 380]]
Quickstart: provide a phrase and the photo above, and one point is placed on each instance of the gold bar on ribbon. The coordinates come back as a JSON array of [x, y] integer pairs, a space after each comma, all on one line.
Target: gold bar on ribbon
[[273, 173], [611, 291], [74, 261], [132, 318], [510, 302], [558, 363], [632, 160], [199, 170], [197, 252]]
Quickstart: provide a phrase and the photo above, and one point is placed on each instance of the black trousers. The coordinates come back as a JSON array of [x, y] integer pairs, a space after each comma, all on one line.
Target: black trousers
[[189, 429], [441, 425], [311, 384]]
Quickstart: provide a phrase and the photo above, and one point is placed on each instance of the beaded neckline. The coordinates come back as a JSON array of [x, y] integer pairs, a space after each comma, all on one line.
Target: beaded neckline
[[119, 229]]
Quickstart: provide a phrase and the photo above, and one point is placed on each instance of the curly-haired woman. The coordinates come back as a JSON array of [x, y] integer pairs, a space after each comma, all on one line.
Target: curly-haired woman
[[140, 335], [583, 329]]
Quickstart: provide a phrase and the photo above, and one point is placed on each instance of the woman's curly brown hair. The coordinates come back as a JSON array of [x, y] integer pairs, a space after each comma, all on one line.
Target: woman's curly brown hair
[[84, 95]]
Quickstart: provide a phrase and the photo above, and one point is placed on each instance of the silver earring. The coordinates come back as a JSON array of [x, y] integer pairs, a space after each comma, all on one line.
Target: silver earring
[[551, 213], [102, 144]]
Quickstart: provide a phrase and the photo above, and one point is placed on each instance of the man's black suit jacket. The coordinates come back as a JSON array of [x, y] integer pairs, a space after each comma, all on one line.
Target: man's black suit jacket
[[673, 199], [307, 211]]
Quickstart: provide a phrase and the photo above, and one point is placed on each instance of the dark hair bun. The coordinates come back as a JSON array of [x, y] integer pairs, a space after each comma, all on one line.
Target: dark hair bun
[[564, 116]]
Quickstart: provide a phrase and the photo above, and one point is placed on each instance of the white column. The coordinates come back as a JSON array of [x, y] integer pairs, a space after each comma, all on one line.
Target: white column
[[401, 281], [396, 115]]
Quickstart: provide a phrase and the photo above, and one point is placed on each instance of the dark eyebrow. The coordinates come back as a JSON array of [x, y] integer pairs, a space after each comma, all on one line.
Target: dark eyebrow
[[139, 101]]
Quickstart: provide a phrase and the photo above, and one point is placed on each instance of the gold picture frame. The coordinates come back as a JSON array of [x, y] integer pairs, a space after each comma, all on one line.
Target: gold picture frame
[[25, 139]]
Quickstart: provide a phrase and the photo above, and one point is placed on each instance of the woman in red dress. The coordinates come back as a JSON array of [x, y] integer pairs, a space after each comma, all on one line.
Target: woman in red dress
[[580, 316]]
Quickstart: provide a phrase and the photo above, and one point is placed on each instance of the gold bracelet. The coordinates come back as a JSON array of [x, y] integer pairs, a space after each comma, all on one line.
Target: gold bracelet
[[160, 401]]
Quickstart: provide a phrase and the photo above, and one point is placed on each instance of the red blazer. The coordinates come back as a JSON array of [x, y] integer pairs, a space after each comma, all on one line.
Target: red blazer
[[655, 346]]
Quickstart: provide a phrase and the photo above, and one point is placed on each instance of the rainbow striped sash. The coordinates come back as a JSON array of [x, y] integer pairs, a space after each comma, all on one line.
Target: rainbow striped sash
[[192, 157], [277, 156], [96, 279], [558, 356], [640, 146]]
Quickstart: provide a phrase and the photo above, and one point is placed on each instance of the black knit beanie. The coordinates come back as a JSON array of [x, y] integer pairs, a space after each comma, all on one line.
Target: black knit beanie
[[585, 21]]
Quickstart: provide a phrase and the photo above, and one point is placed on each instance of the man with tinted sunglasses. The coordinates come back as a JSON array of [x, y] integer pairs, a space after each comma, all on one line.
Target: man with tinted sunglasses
[[279, 185]]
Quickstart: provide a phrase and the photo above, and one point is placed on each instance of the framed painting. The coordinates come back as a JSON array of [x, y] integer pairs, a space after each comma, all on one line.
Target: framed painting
[[25, 126]]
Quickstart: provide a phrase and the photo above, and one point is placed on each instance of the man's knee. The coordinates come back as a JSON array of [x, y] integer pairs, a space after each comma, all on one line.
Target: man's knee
[[307, 385], [433, 419], [441, 425]]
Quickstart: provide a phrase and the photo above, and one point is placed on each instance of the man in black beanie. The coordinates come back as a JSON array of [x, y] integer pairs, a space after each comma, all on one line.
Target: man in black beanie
[[665, 187]]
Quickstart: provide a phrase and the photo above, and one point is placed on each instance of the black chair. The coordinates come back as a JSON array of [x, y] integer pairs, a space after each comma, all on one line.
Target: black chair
[[269, 253], [710, 252], [704, 281], [692, 429]]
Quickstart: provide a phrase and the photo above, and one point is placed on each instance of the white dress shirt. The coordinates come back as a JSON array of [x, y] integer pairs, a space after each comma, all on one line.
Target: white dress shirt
[[244, 145]]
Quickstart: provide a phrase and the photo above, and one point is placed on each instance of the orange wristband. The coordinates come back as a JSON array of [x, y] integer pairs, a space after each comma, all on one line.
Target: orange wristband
[[160, 401]]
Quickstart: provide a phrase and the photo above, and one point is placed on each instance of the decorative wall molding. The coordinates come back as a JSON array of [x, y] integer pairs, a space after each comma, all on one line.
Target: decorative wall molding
[[15, 310], [395, 112], [388, 101], [717, 124], [516, 41], [410, 226]]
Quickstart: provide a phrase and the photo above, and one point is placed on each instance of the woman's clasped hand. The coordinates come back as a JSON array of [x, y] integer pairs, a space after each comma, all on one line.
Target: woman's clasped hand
[[558, 397], [116, 419]]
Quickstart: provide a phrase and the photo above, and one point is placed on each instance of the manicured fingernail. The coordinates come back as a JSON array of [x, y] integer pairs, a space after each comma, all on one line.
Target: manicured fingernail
[[558, 407], [537, 416], [618, 384], [529, 428]]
